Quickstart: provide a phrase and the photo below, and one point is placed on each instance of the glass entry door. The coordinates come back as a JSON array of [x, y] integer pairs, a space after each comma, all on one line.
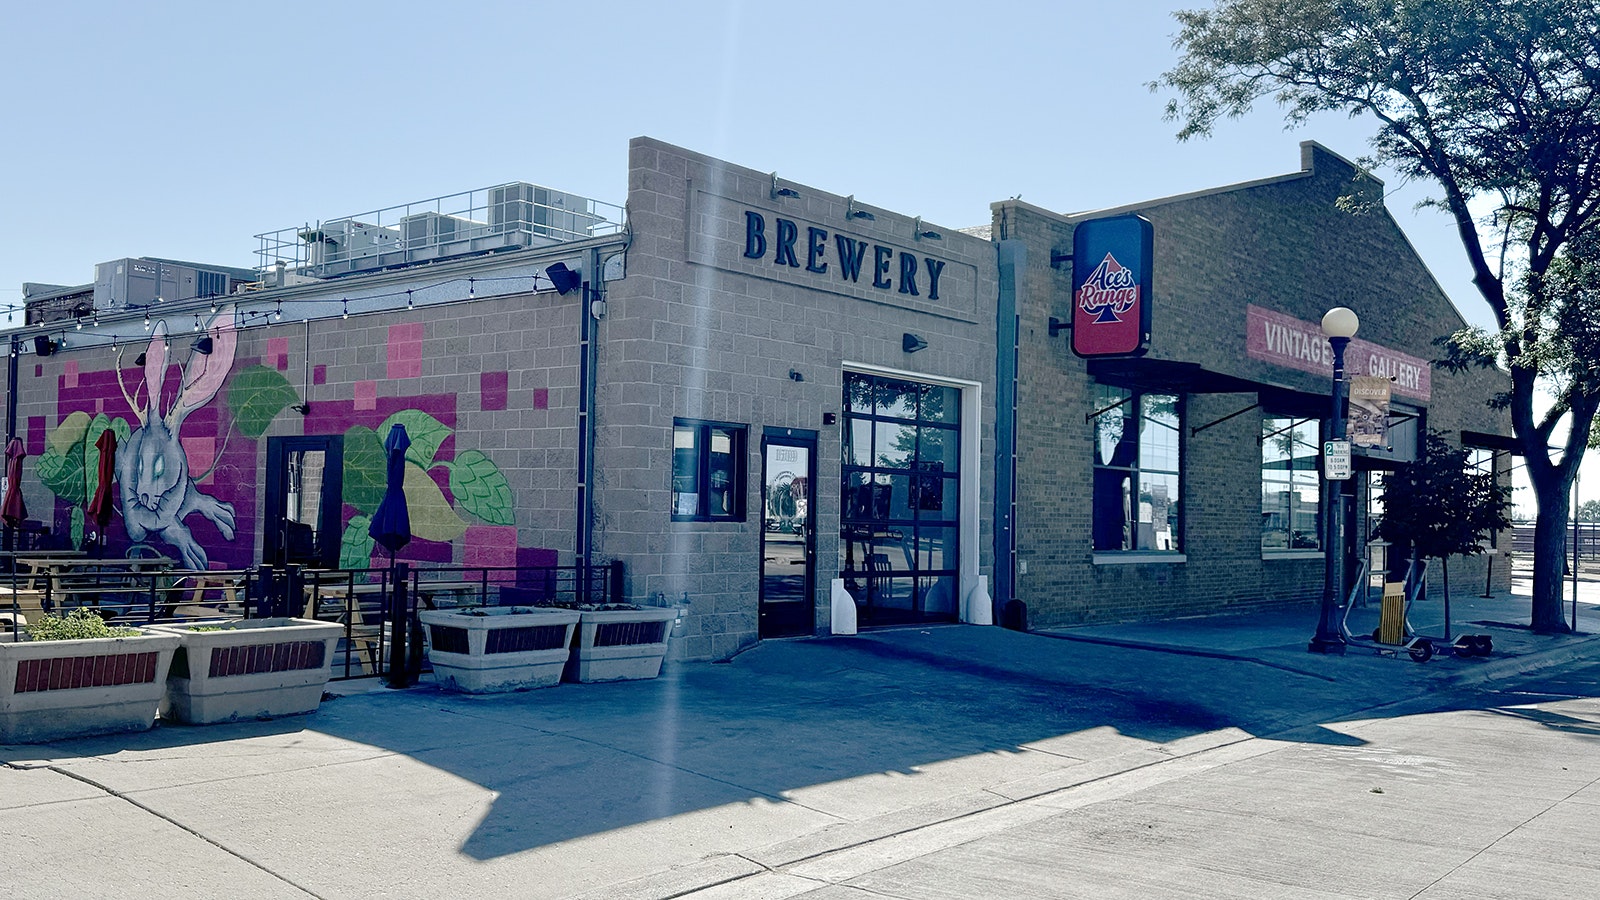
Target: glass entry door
[[788, 538], [304, 495], [901, 499]]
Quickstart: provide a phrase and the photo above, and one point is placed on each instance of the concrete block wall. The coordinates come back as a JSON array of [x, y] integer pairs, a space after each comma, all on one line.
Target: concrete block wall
[[530, 337], [697, 330]]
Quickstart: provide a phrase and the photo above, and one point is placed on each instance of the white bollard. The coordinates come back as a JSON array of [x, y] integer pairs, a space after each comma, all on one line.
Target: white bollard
[[844, 609], [978, 607]]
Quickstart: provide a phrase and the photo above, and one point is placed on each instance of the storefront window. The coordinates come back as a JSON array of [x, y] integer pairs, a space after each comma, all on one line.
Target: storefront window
[[708, 468], [1138, 464], [1482, 462], [1290, 484], [901, 488]]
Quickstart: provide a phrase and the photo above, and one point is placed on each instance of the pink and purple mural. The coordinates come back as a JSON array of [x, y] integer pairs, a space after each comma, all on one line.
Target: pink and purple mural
[[156, 488], [182, 453]]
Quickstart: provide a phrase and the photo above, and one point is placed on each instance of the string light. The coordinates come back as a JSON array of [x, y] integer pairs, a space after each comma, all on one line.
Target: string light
[[278, 316], [410, 304], [146, 321], [346, 313], [472, 288]]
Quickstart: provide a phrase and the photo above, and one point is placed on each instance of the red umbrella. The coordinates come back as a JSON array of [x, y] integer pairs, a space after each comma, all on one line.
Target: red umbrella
[[100, 506], [13, 510]]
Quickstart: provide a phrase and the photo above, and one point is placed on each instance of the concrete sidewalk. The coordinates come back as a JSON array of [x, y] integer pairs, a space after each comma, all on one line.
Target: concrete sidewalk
[[1280, 636], [805, 756]]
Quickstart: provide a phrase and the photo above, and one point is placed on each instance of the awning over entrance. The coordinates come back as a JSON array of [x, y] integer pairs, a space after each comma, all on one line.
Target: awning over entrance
[[1172, 376], [1497, 442]]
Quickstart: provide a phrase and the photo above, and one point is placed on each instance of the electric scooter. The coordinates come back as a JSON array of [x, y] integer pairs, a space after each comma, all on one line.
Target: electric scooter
[[1419, 648]]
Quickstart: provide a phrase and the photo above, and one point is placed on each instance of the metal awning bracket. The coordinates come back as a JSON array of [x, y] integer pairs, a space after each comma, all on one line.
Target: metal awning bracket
[[1197, 429], [1090, 417]]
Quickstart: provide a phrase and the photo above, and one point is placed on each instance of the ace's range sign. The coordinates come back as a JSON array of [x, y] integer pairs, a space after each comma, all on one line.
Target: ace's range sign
[[1111, 264]]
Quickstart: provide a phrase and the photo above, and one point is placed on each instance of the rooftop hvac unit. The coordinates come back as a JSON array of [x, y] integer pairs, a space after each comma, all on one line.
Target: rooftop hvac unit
[[528, 208], [127, 282], [348, 245], [429, 228]]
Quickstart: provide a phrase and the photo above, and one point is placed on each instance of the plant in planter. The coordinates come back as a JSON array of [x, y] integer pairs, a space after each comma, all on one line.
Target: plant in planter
[[75, 676], [490, 649], [249, 669], [620, 642]]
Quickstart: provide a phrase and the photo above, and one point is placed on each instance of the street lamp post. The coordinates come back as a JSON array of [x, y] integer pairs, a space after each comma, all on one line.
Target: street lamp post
[[1339, 324]]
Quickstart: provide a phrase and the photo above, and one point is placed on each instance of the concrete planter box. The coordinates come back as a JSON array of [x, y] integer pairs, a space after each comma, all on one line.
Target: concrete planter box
[[494, 649], [51, 690], [620, 644], [250, 669]]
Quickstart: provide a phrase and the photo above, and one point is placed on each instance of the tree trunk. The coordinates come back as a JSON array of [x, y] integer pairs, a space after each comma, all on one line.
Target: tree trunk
[[1549, 557]]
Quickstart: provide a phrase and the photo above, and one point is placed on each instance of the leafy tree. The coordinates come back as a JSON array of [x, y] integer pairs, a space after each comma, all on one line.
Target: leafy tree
[[1442, 507], [1589, 511], [1496, 102]]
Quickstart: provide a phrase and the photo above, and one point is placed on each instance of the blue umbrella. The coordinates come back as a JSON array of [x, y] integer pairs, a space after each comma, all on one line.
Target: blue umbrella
[[391, 524]]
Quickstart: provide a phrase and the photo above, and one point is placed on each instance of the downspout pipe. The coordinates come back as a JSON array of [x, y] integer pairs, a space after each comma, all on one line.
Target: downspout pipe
[[10, 537], [593, 307], [1012, 256]]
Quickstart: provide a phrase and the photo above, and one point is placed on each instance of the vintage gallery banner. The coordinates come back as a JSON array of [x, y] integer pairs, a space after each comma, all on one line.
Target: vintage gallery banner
[[1286, 341]]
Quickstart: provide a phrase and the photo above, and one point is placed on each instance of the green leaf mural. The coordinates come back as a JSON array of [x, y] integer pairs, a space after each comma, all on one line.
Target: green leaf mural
[[69, 432], [77, 527], [481, 489], [256, 396], [62, 472], [70, 465], [432, 518], [426, 434], [363, 469], [355, 546]]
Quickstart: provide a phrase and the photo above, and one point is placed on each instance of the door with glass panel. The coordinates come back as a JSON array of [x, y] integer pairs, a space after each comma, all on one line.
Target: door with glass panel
[[900, 499], [304, 497], [788, 540]]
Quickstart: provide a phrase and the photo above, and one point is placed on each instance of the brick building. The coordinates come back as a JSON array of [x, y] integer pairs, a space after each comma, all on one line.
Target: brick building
[[768, 401], [1215, 505]]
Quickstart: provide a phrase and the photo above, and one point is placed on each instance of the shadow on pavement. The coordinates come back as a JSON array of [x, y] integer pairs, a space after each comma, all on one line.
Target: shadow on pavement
[[824, 730]]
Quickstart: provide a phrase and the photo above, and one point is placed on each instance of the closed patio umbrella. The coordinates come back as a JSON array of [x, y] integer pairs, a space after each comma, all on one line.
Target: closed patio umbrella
[[13, 510], [100, 506], [391, 524], [391, 527]]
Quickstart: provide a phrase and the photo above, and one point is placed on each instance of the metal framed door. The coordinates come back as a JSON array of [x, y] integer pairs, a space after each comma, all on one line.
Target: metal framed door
[[305, 481], [788, 533]]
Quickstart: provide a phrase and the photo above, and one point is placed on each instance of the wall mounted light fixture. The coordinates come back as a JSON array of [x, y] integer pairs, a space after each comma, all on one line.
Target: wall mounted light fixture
[[911, 343], [564, 279], [920, 234], [852, 211], [794, 375], [203, 345], [43, 346], [781, 191]]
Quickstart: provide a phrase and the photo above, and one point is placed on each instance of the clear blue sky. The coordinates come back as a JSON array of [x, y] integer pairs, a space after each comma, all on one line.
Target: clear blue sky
[[181, 129]]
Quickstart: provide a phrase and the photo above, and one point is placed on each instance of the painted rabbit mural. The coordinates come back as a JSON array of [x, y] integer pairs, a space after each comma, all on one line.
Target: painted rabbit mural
[[155, 486]]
